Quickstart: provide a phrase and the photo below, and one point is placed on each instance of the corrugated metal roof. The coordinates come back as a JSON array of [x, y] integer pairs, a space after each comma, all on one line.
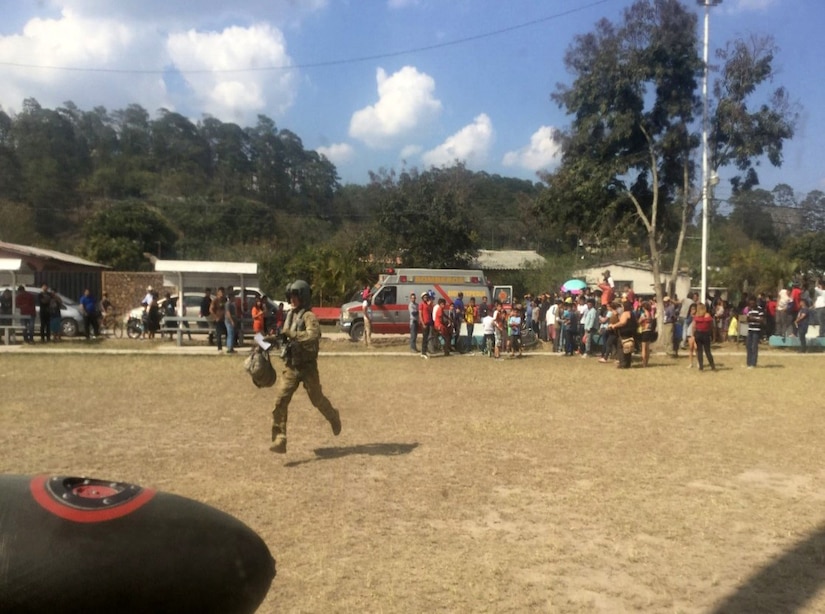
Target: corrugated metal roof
[[507, 260], [48, 254]]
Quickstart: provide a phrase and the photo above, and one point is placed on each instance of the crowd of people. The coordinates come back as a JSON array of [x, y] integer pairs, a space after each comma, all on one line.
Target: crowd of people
[[613, 324], [442, 320], [693, 325]]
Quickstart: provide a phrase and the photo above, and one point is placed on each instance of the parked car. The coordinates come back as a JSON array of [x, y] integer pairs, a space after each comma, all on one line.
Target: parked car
[[192, 303], [71, 317]]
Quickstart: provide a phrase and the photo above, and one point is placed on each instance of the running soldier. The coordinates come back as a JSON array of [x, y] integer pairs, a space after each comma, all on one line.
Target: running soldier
[[300, 337]]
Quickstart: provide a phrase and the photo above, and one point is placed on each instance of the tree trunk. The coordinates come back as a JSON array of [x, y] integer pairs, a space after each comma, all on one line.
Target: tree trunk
[[687, 208]]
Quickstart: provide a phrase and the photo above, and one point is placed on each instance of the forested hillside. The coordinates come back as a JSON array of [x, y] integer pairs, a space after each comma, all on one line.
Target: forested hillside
[[116, 185], [119, 186]]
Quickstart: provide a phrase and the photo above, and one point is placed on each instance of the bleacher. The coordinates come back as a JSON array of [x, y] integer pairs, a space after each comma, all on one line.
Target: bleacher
[[812, 339]]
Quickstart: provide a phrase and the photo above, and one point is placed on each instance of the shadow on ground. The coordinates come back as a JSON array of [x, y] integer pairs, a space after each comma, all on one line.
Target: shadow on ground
[[785, 584], [368, 449]]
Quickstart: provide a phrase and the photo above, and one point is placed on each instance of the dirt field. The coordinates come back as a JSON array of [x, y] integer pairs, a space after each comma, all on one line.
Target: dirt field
[[464, 484]]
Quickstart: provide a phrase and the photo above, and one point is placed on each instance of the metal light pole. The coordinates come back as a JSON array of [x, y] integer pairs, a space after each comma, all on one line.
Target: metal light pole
[[705, 178]]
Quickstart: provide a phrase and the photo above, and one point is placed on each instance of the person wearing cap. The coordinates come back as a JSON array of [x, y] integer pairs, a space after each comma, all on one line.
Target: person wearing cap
[[147, 300], [608, 278]]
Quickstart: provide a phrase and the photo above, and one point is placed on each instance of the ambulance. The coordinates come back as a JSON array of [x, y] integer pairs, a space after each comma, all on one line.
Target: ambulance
[[389, 298]]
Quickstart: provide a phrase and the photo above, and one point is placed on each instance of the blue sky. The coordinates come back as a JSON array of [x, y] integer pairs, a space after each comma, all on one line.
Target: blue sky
[[376, 83]]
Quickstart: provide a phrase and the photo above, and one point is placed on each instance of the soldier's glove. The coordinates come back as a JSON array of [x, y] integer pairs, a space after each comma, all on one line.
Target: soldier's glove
[[289, 334]]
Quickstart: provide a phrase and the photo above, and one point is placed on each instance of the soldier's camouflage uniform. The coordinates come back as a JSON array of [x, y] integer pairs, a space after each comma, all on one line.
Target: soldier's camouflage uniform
[[301, 367]]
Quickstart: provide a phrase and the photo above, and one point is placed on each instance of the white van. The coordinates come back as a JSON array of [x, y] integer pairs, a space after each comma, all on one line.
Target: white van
[[391, 295]]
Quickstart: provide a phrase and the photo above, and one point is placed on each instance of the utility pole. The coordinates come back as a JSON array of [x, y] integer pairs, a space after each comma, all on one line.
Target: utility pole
[[705, 162]]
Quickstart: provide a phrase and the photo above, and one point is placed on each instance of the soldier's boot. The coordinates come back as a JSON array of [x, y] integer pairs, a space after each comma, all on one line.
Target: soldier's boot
[[278, 444], [335, 422]]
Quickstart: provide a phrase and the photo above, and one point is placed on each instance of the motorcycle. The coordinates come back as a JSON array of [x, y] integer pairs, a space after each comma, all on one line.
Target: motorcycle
[[135, 327]]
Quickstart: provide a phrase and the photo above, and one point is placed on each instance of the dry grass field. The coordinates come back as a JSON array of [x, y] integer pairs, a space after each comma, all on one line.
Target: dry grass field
[[464, 484]]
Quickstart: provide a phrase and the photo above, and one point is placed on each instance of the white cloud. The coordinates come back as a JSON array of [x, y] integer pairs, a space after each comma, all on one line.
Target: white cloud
[[542, 152], [337, 153], [128, 53], [180, 15], [405, 104], [203, 58], [471, 144], [48, 46], [408, 151]]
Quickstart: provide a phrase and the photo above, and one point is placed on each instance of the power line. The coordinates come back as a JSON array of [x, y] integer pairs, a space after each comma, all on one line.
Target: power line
[[322, 63]]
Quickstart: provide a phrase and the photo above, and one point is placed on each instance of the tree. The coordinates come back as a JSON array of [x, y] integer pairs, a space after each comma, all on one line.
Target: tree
[[120, 234], [266, 156], [632, 101], [634, 104], [10, 172], [758, 269], [180, 154], [809, 251], [423, 221], [739, 136], [751, 213], [813, 210], [135, 168], [230, 150], [51, 160]]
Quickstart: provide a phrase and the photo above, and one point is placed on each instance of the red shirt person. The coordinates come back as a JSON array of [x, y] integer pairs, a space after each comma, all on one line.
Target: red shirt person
[[425, 318]]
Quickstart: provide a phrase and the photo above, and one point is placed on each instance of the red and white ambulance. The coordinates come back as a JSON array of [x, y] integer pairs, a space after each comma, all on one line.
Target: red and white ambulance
[[389, 298]]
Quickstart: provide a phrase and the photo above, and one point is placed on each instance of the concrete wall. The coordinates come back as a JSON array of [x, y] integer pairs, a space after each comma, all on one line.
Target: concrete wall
[[127, 289]]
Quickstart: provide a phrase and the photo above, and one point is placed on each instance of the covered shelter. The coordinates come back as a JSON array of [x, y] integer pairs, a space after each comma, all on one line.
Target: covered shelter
[[192, 276], [12, 274], [65, 272]]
